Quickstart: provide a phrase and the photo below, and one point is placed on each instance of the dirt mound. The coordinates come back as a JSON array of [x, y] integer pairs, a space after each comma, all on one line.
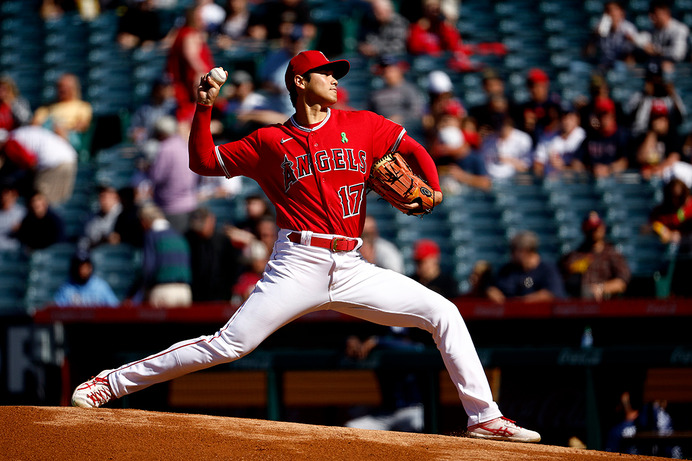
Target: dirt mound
[[64, 433]]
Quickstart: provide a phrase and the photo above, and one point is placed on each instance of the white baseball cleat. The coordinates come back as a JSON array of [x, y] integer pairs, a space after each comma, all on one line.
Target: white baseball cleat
[[502, 429], [93, 393]]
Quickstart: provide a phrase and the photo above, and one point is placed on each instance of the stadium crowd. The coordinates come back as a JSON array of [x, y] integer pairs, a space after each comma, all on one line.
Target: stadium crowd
[[494, 140]]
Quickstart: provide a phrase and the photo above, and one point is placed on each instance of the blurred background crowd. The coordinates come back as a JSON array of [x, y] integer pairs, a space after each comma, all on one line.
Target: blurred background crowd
[[560, 130]]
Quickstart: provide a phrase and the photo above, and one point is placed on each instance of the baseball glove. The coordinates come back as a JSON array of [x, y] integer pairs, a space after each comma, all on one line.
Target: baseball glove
[[393, 180]]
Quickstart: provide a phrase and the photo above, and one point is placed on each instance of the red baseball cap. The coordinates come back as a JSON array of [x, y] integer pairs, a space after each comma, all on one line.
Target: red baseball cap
[[306, 61], [536, 75], [604, 105], [591, 222], [425, 248], [658, 108]]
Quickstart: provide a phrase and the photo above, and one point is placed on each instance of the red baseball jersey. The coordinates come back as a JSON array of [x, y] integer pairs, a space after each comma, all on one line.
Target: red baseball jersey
[[315, 176]]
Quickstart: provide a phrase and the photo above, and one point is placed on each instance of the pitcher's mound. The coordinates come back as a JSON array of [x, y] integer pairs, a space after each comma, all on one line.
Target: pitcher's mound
[[63, 433]]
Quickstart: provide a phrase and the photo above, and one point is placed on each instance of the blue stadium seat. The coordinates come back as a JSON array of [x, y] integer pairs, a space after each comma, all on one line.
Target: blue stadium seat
[[48, 269]]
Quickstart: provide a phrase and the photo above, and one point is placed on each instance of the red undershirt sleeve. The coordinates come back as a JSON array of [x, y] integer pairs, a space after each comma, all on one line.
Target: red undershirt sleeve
[[420, 160], [201, 147]]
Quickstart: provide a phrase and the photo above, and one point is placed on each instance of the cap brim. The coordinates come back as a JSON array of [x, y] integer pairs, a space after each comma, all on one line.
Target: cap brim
[[339, 67]]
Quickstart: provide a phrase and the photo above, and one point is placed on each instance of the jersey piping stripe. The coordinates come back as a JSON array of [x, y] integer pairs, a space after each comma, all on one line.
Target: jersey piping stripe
[[307, 130], [395, 147], [218, 159]]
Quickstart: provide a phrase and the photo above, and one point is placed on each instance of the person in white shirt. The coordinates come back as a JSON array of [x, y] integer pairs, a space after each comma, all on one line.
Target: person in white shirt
[[11, 215], [50, 157], [617, 37], [668, 39], [557, 153], [378, 250], [507, 152]]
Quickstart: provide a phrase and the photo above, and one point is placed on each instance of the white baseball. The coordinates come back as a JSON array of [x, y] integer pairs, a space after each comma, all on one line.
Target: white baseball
[[218, 75]]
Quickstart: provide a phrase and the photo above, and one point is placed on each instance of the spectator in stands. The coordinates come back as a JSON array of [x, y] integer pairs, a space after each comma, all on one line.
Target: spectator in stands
[[599, 90], [429, 273], [657, 150], [128, 228], [214, 261], [15, 110], [278, 18], [266, 232], [398, 100], [11, 216], [101, 225], [616, 37], [237, 25], [668, 42], [54, 9], [189, 58], [256, 256], [402, 409], [605, 151], [245, 109], [441, 102], [433, 33], [384, 31], [83, 288], [541, 112], [256, 209], [671, 220], [527, 277], [166, 274], [506, 152], [69, 115], [213, 15], [596, 269], [458, 162], [139, 25], [480, 279], [488, 113], [161, 103], [556, 153], [379, 251], [174, 185], [41, 227], [273, 70], [46, 161], [638, 107]]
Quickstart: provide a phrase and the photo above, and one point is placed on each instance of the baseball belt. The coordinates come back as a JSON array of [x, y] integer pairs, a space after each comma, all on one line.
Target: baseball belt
[[334, 244]]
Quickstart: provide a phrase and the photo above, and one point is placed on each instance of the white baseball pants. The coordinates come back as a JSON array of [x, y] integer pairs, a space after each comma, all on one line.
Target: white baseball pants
[[300, 279]]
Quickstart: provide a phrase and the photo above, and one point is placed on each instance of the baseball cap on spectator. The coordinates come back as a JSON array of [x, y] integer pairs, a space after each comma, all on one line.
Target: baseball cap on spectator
[[439, 82], [425, 248], [567, 107], [591, 222], [604, 106], [454, 108], [388, 60], [536, 75], [312, 60], [658, 108]]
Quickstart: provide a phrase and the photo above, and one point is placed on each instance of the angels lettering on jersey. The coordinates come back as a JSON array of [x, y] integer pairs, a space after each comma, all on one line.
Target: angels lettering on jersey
[[325, 161]]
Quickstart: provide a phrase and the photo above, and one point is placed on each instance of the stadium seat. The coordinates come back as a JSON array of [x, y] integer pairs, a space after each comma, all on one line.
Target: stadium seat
[[119, 265], [48, 269]]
